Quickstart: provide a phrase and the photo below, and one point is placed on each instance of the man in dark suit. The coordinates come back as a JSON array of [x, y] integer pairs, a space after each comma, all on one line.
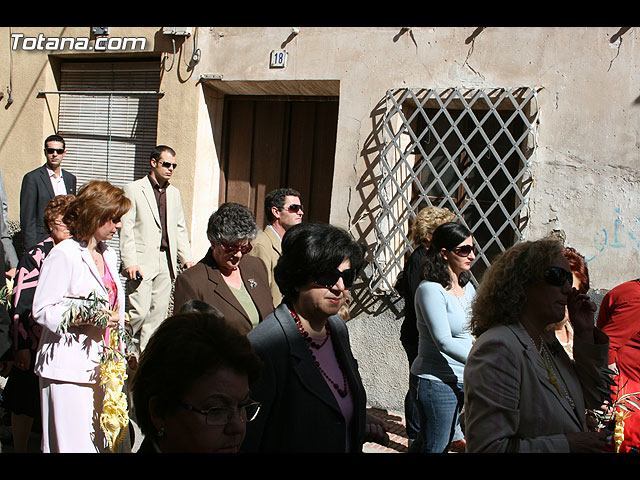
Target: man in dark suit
[[38, 188]]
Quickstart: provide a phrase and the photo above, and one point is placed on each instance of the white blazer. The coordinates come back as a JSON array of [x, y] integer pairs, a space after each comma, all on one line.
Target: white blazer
[[69, 270], [141, 230]]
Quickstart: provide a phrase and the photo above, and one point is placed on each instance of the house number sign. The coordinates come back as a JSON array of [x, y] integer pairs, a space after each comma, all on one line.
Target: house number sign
[[278, 59]]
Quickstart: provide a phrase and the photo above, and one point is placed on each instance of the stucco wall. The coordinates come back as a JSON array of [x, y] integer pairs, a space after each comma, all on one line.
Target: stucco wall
[[585, 164]]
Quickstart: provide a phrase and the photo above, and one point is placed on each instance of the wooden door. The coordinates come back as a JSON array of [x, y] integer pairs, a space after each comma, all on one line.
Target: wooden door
[[271, 142]]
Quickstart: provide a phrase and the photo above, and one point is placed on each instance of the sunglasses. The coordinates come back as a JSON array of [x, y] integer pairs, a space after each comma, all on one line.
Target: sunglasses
[[50, 151], [465, 250], [294, 208], [235, 249], [330, 278], [169, 164], [557, 276]]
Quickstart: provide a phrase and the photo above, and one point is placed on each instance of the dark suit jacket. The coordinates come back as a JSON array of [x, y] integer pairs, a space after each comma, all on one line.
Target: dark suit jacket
[[204, 282], [35, 194], [299, 412]]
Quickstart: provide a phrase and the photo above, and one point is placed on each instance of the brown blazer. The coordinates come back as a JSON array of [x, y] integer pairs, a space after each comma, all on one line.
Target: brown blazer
[[204, 282]]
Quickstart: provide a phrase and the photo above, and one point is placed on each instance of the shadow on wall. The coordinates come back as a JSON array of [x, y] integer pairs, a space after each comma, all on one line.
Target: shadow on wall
[[363, 222]]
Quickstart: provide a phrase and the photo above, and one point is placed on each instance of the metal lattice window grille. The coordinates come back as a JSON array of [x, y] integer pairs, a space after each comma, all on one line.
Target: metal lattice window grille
[[467, 150]]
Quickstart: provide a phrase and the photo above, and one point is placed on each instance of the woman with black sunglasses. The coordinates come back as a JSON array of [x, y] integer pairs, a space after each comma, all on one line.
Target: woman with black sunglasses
[[522, 391], [227, 278], [442, 303], [311, 393]]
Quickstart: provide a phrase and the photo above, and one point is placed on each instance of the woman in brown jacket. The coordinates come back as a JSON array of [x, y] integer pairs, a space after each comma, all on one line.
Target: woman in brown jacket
[[227, 278]]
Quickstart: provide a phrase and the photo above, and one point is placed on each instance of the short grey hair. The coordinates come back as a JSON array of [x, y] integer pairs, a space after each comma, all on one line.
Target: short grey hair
[[231, 223]]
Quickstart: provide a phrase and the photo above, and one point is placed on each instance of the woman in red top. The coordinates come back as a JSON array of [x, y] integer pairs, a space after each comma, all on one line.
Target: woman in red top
[[618, 318]]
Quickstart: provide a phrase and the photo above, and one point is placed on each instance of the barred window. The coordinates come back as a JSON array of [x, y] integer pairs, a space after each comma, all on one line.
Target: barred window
[[467, 150]]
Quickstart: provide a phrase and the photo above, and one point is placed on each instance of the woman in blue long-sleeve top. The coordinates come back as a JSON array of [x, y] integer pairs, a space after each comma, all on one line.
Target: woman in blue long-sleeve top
[[442, 303]]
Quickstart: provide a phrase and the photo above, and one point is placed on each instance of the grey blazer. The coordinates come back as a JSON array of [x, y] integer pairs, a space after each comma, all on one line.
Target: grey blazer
[[299, 412], [510, 403]]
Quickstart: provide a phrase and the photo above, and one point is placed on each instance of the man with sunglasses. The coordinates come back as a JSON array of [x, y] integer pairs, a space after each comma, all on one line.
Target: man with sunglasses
[[283, 209], [39, 186], [153, 238]]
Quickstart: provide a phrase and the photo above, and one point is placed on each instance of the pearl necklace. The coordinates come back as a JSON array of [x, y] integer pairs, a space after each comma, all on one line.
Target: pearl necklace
[[311, 344]]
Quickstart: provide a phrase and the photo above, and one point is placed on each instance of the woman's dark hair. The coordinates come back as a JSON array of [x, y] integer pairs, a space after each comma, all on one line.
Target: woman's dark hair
[[181, 351], [195, 305], [434, 267], [313, 248], [230, 223]]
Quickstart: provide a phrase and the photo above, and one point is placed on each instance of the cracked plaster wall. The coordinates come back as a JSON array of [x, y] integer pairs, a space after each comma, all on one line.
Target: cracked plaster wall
[[585, 167]]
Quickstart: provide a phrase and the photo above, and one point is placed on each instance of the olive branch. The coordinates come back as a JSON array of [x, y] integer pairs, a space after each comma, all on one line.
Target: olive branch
[[5, 294], [92, 310], [627, 404]]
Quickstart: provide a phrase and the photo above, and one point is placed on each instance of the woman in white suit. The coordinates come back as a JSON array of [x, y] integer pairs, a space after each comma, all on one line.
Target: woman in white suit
[[522, 391], [68, 362]]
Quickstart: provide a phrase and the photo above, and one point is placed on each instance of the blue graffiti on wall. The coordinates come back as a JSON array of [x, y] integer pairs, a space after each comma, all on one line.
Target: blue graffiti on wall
[[621, 237]]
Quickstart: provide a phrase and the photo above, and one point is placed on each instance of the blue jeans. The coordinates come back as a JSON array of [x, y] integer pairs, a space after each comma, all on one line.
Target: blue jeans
[[439, 406]]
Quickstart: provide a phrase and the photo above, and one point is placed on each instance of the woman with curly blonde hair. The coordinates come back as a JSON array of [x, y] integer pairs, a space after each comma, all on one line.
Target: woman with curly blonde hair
[[522, 391]]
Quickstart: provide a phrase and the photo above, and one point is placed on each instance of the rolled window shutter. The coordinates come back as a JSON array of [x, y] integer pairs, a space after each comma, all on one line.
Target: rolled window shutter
[[109, 120]]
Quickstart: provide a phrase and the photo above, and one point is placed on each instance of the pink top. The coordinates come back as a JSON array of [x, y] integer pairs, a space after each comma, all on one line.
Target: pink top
[[110, 284], [326, 357]]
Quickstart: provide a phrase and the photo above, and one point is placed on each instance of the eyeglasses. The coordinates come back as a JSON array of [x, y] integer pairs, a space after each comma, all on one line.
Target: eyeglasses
[[558, 276], [232, 250], [169, 164], [50, 151], [330, 278], [294, 208], [219, 416], [465, 250]]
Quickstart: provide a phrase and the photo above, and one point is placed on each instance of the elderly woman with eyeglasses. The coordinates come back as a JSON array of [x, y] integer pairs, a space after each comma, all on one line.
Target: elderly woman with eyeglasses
[[442, 304], [311, 393], [191, 390], [227, 278], [522, 391]]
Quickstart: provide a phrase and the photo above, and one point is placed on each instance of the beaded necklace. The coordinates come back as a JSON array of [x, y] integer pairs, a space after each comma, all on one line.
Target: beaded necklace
[[313, 345], [553, 377]]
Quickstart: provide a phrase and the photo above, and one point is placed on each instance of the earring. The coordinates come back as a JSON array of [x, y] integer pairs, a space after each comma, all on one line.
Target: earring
[[161, 432]]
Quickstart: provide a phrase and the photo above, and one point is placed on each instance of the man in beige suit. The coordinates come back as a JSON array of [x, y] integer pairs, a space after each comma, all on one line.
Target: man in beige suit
[[283, 210], [153, 238]]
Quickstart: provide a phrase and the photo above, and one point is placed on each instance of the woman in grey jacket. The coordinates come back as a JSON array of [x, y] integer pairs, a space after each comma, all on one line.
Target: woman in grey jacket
[[522, 391]]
